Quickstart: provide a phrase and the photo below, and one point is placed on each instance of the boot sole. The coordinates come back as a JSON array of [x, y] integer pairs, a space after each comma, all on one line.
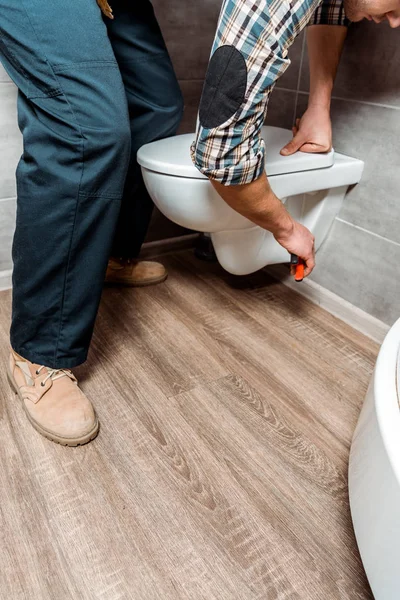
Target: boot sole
[[127, 283], [73, 442]]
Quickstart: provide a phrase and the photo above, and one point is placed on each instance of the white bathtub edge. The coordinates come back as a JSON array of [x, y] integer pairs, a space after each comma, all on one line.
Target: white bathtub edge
[[374, 475]]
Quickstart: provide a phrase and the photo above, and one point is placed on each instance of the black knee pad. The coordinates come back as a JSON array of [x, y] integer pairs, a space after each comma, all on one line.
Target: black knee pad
[[224, 88]]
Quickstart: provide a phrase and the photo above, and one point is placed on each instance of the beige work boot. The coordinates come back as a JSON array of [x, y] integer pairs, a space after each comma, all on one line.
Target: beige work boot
[[135, 273], [53, 402]]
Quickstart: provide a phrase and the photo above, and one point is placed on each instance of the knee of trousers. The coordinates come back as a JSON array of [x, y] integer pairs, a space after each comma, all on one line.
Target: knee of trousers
[[98, 104], [79, 136], [106, 150], [165, 118], [106, 154]]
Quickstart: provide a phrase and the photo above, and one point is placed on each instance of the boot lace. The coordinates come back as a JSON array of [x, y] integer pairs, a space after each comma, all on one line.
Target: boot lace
[[54, 374]]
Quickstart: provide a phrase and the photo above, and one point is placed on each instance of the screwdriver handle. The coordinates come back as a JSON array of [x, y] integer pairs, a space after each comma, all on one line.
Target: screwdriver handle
[[296, 260]]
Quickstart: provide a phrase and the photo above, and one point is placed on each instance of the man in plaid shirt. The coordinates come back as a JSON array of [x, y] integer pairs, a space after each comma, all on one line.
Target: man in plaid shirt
[[248, 57]]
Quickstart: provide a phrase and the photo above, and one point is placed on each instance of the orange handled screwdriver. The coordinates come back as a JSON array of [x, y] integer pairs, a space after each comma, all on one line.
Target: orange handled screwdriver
[[299, 262]]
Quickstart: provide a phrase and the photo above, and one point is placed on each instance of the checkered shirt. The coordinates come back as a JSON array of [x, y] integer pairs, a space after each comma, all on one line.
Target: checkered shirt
[[262, 30]]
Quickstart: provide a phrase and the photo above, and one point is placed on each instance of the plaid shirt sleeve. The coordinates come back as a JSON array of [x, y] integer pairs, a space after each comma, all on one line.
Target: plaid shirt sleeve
[[330, 12], [233, 151]]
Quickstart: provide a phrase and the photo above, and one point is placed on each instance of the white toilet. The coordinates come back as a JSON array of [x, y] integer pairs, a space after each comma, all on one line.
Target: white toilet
[[311, 185]]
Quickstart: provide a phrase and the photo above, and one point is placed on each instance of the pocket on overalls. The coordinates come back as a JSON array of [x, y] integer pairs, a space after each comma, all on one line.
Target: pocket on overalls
[[27, 68]]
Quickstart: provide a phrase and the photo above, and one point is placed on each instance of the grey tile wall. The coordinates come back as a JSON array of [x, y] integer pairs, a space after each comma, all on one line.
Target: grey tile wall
[[3, 74], [363, 269], [360, 259], [370, 67], [290, 78], [281, 108], [188, 28], [10, 140], [191, 89], [10, 151], [371, 133], [7, 226]]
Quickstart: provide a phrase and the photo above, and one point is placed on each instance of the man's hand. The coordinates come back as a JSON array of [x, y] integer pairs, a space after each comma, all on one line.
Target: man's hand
[[257, 202], [298, 241], [312, 133]]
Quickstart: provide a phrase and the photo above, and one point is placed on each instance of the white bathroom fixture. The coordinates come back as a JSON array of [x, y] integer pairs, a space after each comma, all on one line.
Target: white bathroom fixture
[[374, 474], [312, 186]]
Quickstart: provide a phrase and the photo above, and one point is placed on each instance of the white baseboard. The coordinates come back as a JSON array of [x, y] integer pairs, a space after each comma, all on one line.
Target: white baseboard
[[337, 306], [5, 280], [159, 247]]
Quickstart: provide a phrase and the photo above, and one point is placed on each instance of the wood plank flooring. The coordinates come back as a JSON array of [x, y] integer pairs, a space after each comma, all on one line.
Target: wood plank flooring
[[220, 473]]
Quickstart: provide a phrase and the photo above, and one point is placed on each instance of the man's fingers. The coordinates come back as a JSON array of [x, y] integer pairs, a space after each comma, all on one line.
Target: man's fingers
[[310, 264], [295, 144], [311, 147]]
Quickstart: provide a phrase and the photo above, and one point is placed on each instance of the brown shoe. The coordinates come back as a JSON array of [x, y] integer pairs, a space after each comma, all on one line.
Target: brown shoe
[[53, 402], [135, 273]]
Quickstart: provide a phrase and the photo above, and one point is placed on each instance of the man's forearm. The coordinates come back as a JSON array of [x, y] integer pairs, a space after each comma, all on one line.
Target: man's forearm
[[325, 45], [313, 132], [257, 202]]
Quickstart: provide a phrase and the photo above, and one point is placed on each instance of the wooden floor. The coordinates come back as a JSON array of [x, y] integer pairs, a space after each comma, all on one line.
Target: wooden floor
[[220, 472]]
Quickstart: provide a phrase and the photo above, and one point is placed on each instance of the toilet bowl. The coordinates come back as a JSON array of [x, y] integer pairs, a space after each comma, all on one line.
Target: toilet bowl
[[312, 186], [374, 473]]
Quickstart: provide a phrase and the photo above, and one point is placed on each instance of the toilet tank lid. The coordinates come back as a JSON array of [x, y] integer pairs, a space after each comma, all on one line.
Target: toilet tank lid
[[172, 156]]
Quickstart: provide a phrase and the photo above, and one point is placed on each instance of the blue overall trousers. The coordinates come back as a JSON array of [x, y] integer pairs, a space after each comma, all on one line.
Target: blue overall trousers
[[91, 92]]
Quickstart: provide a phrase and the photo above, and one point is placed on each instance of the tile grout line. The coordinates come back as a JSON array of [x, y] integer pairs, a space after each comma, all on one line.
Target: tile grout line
[[8, 198], [380, 105], [381, 237], [283, 89]]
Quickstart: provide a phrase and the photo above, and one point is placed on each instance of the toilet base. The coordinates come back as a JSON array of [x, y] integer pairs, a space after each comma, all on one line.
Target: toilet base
[[204, 249], [244, 251]]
